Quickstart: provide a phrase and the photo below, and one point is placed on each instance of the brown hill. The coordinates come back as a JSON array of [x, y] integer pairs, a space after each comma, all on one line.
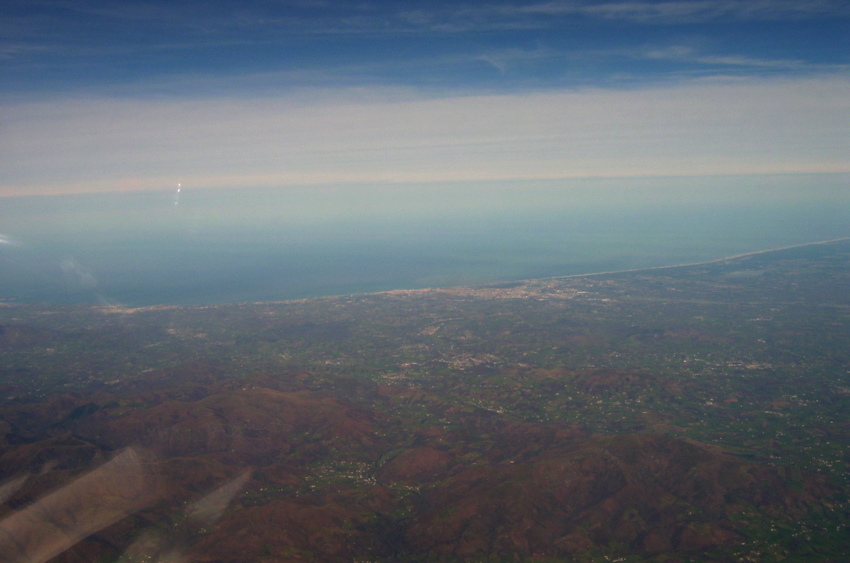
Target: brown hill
[[248, 426], [648, 494], [401, 474]]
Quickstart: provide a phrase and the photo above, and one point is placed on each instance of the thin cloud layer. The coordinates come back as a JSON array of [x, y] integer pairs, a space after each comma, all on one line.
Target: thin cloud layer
[[691, 11], [119, 95], [701, 127]]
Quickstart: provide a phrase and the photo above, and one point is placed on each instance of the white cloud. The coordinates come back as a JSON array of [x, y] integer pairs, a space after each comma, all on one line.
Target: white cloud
[[683, 53], [680, 11], [705, 127]]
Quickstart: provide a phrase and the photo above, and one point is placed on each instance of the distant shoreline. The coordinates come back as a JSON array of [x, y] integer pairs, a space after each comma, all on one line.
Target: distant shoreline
[[715, 261], [611, 272], [131, 309], [477, 286]]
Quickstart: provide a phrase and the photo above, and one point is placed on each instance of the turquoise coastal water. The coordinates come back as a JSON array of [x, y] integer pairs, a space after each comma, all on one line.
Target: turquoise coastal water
[[217, 246]]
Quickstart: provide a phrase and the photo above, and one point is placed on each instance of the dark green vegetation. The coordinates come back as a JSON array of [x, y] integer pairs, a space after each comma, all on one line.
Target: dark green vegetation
[[696, 413]]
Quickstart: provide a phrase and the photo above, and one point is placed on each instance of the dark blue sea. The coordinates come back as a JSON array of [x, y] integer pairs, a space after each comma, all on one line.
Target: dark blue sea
[[203, 246]]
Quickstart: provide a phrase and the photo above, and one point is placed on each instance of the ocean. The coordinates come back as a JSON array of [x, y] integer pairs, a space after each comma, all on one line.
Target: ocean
[[203, 246]]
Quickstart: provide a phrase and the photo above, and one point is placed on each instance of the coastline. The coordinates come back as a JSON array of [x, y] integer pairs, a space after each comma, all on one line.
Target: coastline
[[702, 263], [119, 308]]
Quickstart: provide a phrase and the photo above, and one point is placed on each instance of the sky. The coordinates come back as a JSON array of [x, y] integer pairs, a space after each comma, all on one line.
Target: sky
[[112, 95]]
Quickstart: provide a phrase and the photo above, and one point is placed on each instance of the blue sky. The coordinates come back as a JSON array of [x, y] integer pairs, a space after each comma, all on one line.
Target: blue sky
[[115, 95]]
